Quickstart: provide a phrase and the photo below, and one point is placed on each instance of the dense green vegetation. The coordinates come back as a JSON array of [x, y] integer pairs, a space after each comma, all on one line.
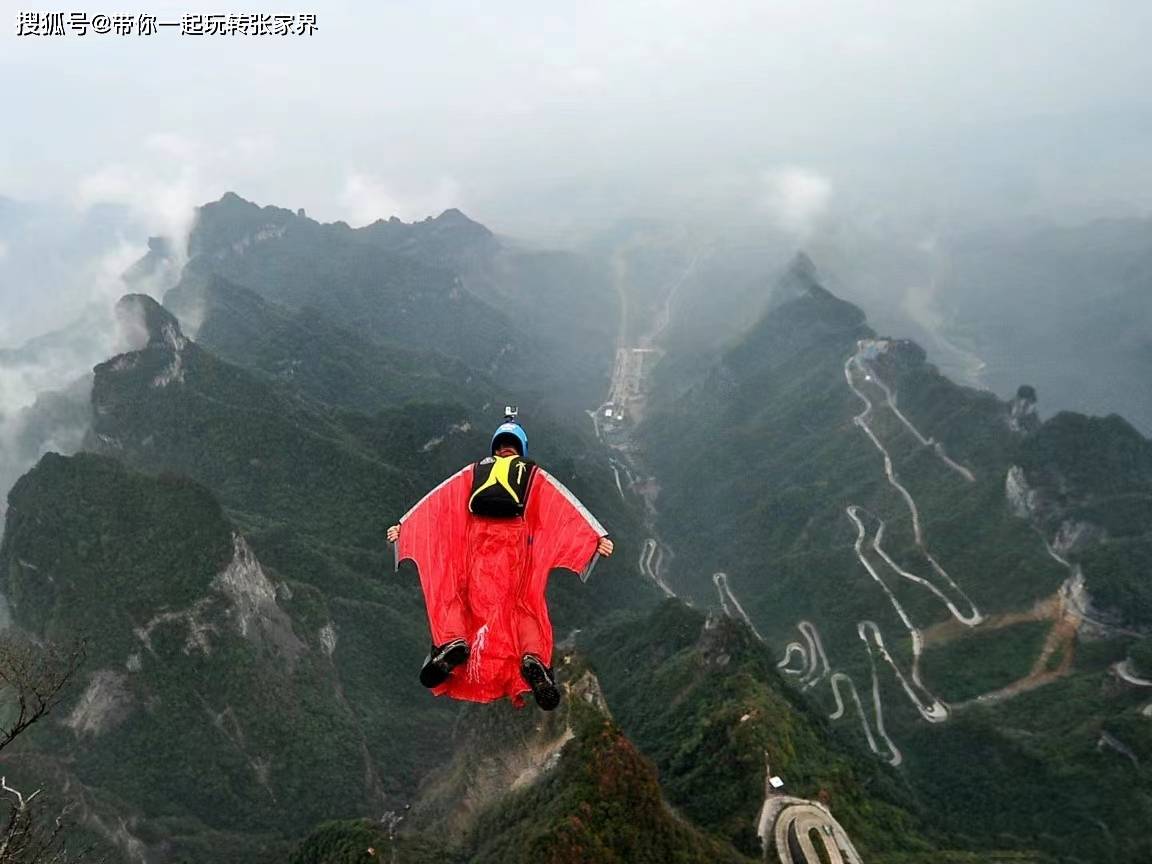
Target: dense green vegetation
[[212, 701], [1098, 471], [963, 669], [1141, 654], [600, 805], [308, 351], [593, 796], [1036, 772], [366, 843]]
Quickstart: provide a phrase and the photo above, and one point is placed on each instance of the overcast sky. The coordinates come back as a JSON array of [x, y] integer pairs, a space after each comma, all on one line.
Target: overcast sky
[[864, 131], [529, 113]]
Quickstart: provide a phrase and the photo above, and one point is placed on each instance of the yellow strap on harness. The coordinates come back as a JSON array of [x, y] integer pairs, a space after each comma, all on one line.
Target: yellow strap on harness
[[499, 476]]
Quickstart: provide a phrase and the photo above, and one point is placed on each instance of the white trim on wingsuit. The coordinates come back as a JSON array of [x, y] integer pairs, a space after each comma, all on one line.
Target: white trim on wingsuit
[[574, 501]]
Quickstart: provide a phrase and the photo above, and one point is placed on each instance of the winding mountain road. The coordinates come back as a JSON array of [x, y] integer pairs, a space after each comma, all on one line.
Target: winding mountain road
[[612, 419], [971, 618], [818, 666], [937, 446], [651, 557], [930, 708], [616, 474], [891, 753], [720, 580], [785, 664], [1124, 672], [940, 584]]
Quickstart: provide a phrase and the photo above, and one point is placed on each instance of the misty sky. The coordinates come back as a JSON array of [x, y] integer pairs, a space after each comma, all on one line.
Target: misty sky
[[538, 119], [864, 131], [516, 109]]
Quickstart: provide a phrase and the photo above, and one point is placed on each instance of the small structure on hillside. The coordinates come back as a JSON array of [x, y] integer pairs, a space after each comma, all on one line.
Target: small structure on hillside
[[792, 828]]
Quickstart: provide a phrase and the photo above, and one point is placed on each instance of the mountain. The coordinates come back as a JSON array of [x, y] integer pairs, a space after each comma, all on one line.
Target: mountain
[[314, 354], [243, 517], [568, 296], [451, 240], [297, 262], [568, 786], [982, 570], [528, 319], [703, 698], [906, 571], [698, 715], [291, 466], [216, 692]]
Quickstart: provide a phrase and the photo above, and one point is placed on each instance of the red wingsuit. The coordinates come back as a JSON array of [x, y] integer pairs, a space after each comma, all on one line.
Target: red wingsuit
[[484, 578]]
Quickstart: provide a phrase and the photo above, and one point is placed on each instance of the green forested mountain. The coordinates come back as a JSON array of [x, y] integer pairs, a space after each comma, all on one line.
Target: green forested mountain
[[225, 559], [696, 715], [541, 321], [221, 702], [702, 696], [887, 530], [308, 351]]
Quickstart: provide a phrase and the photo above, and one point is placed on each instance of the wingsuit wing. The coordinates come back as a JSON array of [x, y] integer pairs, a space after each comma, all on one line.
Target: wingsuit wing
[[434, 536], [563, 535]]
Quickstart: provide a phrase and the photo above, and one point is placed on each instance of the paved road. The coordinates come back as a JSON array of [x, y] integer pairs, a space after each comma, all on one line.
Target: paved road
[[890, 752], [930, 708], [1124, 672], [626, 402], [890, 397], [803, 832], [801, 827], [651, 557], [720, 580], [973, 616]]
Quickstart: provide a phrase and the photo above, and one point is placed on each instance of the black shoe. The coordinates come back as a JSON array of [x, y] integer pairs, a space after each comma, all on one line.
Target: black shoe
[[441, 661], [541, 680]]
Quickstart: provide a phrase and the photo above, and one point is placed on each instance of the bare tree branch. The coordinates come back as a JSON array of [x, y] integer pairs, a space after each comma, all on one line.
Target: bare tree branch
[[33, 679]]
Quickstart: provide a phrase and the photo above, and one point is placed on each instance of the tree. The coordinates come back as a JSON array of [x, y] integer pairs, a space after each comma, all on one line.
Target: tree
[[33, 679]]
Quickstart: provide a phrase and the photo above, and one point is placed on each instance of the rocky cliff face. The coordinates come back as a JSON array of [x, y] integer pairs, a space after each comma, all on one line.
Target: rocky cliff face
[[1086, 483], [1022, 413]]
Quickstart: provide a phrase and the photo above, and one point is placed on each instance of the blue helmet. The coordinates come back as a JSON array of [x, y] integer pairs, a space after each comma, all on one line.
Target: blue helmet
[[514, 430]]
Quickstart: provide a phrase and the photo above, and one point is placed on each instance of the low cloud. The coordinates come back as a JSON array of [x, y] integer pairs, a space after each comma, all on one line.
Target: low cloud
[[62, 274], [794, 198], [366, 198], [164, 199]]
